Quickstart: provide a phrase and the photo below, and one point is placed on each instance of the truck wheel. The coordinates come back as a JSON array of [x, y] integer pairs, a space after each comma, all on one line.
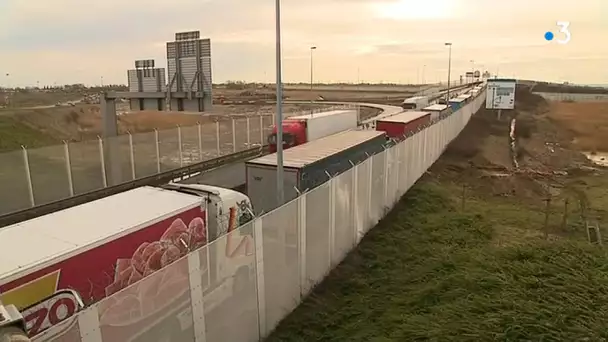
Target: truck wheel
[[13, 334]]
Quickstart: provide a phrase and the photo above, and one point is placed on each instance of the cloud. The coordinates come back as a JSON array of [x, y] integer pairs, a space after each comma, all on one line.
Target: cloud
[[73, 41]]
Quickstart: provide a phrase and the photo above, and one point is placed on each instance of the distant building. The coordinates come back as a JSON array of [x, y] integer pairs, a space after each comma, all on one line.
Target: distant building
[[188, 84], [189, 66], [145, 78]]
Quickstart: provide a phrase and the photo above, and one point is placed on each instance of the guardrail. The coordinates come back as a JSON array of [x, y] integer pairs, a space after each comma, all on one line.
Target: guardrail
[[156, 179]]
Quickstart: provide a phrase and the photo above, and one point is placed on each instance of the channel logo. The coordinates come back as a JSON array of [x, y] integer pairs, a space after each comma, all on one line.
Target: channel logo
[[564, 28]]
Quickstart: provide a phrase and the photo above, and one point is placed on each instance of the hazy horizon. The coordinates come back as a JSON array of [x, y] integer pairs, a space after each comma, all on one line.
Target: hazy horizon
[[63, 42]]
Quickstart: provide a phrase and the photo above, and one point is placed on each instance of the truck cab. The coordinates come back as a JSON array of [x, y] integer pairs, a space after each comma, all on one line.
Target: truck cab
[[294, 133], [227, 209]]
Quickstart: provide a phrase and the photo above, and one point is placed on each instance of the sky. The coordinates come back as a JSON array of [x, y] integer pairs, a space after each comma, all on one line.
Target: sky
[[389, 41]]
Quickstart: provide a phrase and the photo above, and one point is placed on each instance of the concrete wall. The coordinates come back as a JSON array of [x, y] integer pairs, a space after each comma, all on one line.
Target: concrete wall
[[148, 104], [560, 97], [192, 105]]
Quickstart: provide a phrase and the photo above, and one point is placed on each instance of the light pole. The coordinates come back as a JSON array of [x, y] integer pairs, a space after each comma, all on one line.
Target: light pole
[[449, 69], [423, 72], [473, 71], [279, 114], [312, 48]]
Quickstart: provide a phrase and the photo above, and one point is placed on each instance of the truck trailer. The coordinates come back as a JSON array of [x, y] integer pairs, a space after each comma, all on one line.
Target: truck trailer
[[457, 103], [437, 110], [54, 265], [298, 130], [415, 103], [397, 126], [308, 166]]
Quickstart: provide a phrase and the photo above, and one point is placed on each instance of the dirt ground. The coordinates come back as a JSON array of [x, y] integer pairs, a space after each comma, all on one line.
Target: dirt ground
[[586, 122], [84, 121], [551, 167]]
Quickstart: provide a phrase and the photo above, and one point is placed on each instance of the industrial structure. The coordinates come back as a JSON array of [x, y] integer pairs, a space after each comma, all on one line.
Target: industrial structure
[[189, 86], [189, 66], [145, 78]]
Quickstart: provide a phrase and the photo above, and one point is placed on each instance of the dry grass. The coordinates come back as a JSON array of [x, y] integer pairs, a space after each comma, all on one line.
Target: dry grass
[[84, 122], [587, 122]]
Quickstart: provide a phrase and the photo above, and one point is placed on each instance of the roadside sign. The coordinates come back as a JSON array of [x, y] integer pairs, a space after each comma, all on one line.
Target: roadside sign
[[500, 94]]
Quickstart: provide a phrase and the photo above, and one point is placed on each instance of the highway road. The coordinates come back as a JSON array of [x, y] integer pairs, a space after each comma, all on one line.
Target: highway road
[[232, 176], [226, 176]]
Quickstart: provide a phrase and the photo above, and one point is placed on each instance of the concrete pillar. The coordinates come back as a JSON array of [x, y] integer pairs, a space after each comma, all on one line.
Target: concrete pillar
[[207, 102], [111, 144]]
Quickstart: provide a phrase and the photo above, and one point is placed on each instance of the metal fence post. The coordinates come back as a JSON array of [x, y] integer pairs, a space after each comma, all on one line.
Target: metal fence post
[[248, 133], [332, 221], [180, 148], [102, 160], [260, 279], [28, 175], [302, 247], [68, 167], [131, 155], [217, 138], [156, 140], [200, 141], [233, 136], [261, 130]]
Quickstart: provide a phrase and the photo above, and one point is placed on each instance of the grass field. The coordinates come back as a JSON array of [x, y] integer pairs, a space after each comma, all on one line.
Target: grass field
[[430, 271], [14, 133], [473, 252]]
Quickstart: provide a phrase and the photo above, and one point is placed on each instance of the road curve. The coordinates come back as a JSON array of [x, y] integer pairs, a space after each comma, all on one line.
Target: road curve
[[386, 109], [233, 175]]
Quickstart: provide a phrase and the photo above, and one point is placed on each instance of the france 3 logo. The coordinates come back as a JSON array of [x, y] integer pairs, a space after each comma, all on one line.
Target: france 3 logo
[[564, 29]]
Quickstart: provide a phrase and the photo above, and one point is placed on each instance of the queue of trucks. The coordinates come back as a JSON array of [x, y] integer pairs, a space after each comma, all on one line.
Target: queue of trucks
[[308, 166], [81, 255]]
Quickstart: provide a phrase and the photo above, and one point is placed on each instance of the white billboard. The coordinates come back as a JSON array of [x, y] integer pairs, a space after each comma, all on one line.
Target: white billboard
[[500, 94]]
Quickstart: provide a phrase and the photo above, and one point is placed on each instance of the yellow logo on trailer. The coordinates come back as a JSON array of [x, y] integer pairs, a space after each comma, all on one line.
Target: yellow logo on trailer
[[32, 292]]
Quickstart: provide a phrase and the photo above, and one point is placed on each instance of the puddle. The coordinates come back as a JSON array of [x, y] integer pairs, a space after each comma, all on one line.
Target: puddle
[[599, 158]]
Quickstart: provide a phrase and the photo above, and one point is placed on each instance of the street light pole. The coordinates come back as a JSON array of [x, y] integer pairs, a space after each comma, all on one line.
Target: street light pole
[[312, 48], [449, 70], [473, 71], [423, 72], [279, 113]]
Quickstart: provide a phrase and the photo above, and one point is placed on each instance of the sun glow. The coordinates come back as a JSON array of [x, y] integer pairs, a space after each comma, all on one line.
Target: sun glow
[[415, 9]]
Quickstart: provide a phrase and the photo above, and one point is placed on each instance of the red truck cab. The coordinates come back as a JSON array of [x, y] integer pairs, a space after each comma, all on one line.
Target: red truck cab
[[294, 133], [298, 130]]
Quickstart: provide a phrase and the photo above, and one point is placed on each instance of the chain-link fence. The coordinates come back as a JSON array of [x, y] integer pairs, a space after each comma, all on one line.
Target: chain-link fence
[[238, 287], [39, 176], [32, 177]]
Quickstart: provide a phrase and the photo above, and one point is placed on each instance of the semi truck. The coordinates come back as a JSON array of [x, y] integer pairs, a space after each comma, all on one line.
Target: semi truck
[[298, 130], [53, 266], [415, 103], [437, 110], [308, 166], [397, 126]]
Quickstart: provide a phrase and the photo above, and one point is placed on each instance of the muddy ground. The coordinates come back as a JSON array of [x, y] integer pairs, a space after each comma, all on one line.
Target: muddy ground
[[551, 165]]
